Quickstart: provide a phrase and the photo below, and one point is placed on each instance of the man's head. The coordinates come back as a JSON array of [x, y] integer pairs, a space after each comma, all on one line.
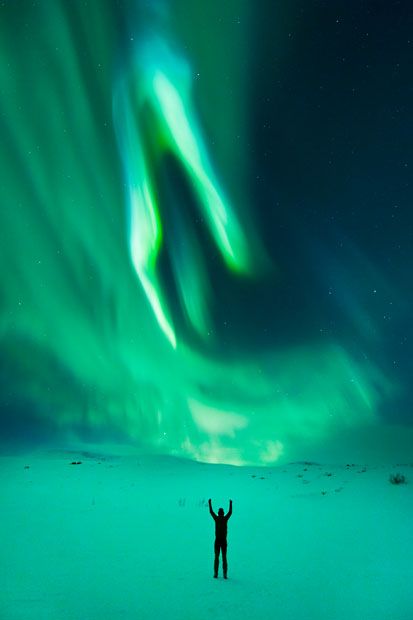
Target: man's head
[[221, 512]]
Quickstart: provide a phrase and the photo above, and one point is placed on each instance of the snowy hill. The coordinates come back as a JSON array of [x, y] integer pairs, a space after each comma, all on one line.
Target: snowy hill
[[88, 535]]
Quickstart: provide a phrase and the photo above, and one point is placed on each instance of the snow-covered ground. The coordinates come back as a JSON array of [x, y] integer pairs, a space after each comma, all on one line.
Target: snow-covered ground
[[130, 536]]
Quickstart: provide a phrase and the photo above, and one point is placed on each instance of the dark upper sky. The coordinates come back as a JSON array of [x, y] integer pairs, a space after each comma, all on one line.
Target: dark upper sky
[[331, 163]]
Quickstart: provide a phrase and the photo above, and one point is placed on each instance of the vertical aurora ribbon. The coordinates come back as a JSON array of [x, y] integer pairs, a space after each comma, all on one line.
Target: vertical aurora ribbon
[[158, 84]]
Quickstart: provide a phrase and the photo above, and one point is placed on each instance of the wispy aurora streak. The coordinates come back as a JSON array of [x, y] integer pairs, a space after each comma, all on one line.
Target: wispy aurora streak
[[160, 81], [82, 349]]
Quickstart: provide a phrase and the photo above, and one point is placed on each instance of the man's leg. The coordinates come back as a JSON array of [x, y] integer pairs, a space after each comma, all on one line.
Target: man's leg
[[224, 559], [216, 561]]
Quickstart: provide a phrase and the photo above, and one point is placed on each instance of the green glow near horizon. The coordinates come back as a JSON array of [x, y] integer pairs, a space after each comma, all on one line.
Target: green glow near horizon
[[85, 322]]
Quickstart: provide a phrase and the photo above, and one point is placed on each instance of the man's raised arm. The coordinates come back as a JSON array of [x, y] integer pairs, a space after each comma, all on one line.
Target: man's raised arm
[[211, 512], [229, 513]]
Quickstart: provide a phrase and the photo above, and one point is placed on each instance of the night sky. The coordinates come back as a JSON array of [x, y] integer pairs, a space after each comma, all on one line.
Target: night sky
[[206, 223]]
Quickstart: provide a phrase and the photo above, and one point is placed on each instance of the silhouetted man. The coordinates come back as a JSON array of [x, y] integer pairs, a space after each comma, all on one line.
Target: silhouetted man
[[221, 521]]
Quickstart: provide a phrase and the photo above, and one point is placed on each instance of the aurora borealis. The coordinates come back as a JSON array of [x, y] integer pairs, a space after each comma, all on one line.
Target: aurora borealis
[[173, 131], [206, 222]]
